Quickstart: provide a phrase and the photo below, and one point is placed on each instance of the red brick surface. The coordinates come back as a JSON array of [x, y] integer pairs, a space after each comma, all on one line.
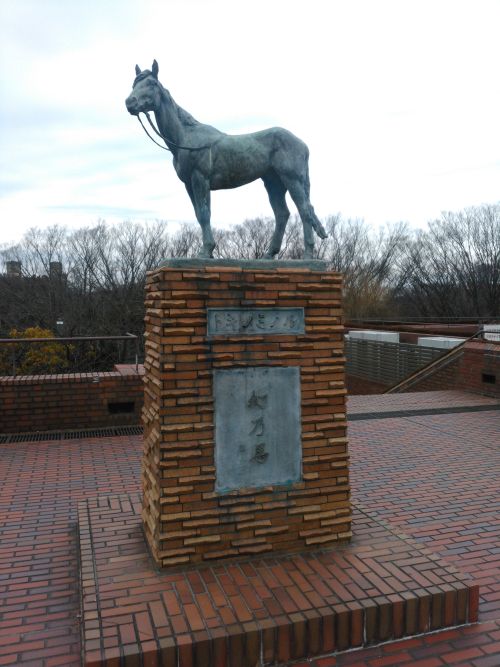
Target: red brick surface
[[440, 484], [361, 386], [186, 521], [72, 401], [444, 487], [39, 596], [410, 402], [381, 586]]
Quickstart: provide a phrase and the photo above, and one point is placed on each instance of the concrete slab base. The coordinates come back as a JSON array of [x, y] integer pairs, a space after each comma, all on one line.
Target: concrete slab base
[[259, 611]]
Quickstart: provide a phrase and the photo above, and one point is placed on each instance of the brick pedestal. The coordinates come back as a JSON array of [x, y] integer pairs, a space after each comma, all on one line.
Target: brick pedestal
[[186, 519]]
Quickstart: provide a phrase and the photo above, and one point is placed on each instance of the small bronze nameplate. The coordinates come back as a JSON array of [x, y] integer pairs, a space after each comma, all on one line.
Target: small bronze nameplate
[[254, 321]]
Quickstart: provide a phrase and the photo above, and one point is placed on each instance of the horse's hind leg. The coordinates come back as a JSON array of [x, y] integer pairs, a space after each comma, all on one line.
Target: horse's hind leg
[[276, 192], [199, 192], [299, 192]]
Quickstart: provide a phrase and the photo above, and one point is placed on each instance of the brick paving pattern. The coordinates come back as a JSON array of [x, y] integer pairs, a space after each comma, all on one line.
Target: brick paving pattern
[[439, 484], [382, 585], [41, 486], [413, 401]]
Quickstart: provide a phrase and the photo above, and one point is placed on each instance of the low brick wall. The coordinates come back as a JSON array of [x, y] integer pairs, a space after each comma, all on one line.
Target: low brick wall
[[72, 401], [477, 370], [361, 386]]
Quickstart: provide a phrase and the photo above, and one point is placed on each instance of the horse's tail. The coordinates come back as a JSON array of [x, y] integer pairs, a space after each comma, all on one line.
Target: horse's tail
[[315, 222]]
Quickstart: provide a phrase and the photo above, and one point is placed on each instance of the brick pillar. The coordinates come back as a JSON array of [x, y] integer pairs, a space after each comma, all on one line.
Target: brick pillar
[[203, 319]]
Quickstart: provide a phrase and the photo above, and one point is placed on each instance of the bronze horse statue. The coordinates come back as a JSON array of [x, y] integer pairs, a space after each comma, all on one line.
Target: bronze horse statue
[[206, 159]]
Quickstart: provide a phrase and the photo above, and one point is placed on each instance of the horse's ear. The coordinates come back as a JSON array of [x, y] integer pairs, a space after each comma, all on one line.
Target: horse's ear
[[154, 69], [137, 70]]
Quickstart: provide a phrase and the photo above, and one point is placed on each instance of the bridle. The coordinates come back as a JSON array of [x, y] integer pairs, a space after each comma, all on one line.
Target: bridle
[[165, 148], [167, 140], [161, 135]]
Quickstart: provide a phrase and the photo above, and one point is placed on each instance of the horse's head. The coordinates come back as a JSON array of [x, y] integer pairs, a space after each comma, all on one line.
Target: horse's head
[[146, 91]]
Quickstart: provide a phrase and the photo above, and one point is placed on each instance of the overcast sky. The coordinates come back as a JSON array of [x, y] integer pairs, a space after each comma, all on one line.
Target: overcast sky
[[398, 101]]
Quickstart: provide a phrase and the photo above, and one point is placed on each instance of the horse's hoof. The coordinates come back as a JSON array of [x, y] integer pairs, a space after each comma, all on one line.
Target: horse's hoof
[[205, 254], [268, 255]]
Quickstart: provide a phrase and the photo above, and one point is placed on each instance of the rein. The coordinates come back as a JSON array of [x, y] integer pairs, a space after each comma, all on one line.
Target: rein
[[169, 141]]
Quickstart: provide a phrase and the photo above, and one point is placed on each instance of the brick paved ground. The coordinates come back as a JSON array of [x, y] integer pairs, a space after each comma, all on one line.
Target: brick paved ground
[[435, 476], [41, 485], [381, 585], [413, 401]]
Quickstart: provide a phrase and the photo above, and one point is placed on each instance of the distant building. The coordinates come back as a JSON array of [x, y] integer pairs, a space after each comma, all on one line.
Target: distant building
[[14, 269]]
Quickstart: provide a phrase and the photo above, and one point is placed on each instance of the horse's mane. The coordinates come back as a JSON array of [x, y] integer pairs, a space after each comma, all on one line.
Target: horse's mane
[[184, 116]]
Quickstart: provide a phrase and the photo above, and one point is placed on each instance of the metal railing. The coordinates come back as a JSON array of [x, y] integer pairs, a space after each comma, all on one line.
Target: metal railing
[[398, 364], [70, 357], [422, 320], [386, 363], [435, 365]]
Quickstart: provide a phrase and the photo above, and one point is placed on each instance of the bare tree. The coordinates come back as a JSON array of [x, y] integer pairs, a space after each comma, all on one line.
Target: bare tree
[[186, 242], [249, 240], [453, 268], [369, 262], [450, 269]]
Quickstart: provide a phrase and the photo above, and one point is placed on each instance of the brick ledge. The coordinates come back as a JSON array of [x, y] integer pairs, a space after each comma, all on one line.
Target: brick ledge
[[381, 586]]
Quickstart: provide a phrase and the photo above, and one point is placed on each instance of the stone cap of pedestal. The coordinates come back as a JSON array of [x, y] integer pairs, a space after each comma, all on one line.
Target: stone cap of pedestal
[[201, 262]]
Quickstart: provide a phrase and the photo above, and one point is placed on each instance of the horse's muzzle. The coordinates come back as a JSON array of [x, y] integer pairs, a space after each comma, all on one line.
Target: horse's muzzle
[[132, 106]]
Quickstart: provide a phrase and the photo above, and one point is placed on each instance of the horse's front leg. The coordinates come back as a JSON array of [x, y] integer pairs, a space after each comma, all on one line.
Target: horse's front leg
[[199, 191]]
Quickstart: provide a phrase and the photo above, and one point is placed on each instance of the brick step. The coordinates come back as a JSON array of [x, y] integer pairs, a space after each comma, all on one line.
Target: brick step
[[264, 611]]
